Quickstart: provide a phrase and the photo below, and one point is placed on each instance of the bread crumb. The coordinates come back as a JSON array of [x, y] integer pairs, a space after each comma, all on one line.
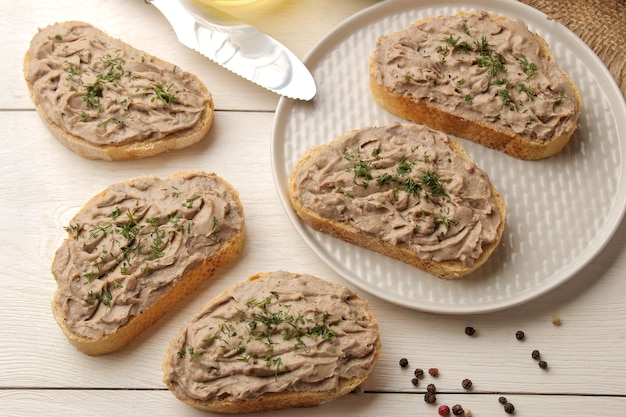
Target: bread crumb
[[556, 320]]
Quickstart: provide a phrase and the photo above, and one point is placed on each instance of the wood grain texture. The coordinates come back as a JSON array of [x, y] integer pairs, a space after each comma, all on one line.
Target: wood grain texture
[[158, 404], [42, 185]]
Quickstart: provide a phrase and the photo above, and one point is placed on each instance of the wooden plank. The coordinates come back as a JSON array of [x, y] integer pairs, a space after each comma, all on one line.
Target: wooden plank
[[71, 403], [143, 27]]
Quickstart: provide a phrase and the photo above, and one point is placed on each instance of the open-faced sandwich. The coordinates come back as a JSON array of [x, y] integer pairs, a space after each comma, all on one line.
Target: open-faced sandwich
[[276, 340], [478, 76], [104, 99], [136, 249], [404, 190]]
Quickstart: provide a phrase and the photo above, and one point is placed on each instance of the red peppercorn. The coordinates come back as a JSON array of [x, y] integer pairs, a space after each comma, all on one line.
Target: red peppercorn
[[443, 410], [433, 371]]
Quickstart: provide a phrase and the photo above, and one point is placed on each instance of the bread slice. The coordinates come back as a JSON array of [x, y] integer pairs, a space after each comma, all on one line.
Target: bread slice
[[136, 249], [276, 340], [404, 190], [104, 99], [478, 76]]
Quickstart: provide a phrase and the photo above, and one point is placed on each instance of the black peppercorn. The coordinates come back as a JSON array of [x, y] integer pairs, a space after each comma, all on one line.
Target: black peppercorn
[[419, 373], [509, 408], [543, 364], [519, 335], [467, 383], [502, 400], [404, 362], [430, 398], [415, 381], [535, 354], [470, 331], [457, 410], [431, 388]]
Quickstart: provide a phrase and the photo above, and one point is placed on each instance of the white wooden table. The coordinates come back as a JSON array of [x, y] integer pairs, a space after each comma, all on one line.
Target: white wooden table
[[42, 185]]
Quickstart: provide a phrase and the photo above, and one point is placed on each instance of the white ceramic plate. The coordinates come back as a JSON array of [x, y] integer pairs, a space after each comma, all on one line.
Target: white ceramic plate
[[561, 211]]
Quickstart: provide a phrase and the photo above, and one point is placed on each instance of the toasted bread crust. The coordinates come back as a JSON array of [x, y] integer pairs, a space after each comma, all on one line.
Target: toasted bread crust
[[122, 336], [134, 150], [137, 150], [484, 133], [274, 400], [136, 325], [442, 269]]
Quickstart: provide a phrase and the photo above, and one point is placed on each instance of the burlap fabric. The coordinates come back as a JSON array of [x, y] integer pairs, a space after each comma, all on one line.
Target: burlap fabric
[[599, 23]]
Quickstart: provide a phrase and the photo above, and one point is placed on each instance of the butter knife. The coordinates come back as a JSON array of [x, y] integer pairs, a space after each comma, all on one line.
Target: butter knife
[[238, 47]]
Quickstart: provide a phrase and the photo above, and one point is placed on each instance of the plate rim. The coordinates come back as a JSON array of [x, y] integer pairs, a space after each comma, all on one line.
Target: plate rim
[[369, 15]]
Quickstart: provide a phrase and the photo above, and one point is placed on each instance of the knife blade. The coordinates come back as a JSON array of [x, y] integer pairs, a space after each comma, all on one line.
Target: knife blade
[[239, 47]]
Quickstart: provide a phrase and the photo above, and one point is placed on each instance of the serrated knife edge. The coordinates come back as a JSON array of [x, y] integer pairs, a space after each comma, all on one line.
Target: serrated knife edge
[[240, 48]]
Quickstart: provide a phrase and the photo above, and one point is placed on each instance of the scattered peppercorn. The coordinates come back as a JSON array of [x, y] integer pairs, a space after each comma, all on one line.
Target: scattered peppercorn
[[543, 364], [419, 373], [457, 410], [404, 362], [431, 388], [430, 398], [443, 410], [415, 381], [467, 383], [535, 354], [433, 372], [519, 335], [502, 400], [467, 412], [470, 331], [509, 408], [556, 320]]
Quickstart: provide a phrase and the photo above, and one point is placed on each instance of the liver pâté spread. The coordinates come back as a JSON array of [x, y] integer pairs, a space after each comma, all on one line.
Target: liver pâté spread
[[108, 93], [280, 332], [403, 184], [130, 244], [481, 69]]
